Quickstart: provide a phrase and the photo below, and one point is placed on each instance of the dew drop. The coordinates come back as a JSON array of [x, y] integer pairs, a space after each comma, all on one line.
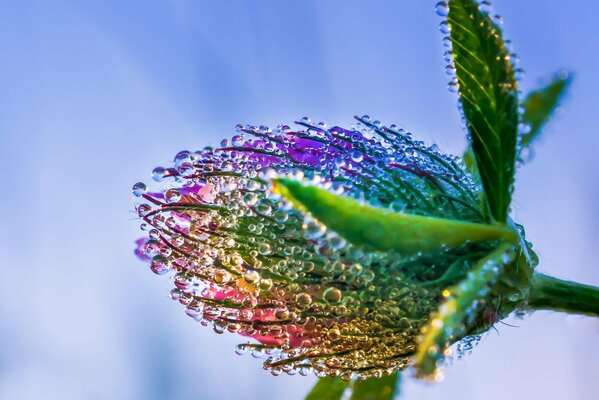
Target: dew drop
[[514, 297], [303, 300], [241, 349], [172, 195], [453, 86], [160, 265], [441, 9], [444, 27], [238, 140], [357, 156], [264, 249], [251, 277], [158, 174], [333, 295], [485, 7], [139, 188]]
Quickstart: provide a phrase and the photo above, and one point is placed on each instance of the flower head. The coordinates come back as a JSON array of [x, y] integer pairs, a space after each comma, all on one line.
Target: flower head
[[247, 261]]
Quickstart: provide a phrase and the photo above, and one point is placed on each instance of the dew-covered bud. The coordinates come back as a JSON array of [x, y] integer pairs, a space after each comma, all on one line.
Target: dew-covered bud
[[247, 261]]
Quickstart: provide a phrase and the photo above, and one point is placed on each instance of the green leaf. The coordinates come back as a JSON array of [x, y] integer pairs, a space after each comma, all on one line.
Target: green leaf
[[487, 89], [462, 302], [383, 229], [384, 388], [328, 388], [540, 104]]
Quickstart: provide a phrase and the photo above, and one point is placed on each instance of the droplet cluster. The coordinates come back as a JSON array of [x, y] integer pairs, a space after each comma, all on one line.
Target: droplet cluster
[[243, 260]]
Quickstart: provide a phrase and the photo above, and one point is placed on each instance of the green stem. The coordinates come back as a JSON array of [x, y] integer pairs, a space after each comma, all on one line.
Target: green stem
[[548, 293]]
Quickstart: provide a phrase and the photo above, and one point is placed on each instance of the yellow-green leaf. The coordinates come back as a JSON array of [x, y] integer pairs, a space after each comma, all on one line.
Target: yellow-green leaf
[[384, 388], [328, 388], [383, 229], [540, 104], [462, 303]]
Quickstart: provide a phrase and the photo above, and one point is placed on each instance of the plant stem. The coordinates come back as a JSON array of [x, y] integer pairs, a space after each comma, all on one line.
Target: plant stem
[[548, 293]]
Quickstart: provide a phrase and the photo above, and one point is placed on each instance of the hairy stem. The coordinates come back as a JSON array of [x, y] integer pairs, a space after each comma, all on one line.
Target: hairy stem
[[548, 293]]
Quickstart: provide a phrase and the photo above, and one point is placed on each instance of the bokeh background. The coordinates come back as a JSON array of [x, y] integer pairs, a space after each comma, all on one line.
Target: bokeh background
[[94, 94]]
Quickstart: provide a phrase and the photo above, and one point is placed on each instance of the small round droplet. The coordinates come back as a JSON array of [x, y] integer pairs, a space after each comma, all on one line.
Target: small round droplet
[[139, 188], [160, 265], [264, 249], [444, 27], [514, 297], [303, 300], [356, 156], [251, 277], [172, 195], [485, 7], [441, 9], [238, 140], [332, 295], [241, 349], [158, 174], [453, 86]]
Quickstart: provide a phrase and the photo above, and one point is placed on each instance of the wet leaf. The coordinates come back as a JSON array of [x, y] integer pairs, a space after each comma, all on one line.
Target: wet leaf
[[383, 229], [461, 306], [487, 88], [385, 388], [328, 388], [540, 104]]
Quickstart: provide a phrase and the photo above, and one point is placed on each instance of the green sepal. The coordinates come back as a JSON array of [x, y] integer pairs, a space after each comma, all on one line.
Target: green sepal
[[382, 229], [385, 388], [460, 308], [540, 104], [487, 88], [329, 388]]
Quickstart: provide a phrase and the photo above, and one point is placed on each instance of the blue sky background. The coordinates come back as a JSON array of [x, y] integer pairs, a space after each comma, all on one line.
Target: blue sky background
[[93, 95]]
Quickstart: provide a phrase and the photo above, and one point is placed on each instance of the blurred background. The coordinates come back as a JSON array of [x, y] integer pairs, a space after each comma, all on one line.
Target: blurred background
[[94, 94]]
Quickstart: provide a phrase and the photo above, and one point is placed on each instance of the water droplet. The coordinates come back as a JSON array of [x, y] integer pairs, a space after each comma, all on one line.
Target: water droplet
[[160, 265], [281, 215], [514, 297], [238, 140], [524, 128], [264, 249], [314, 230], [332, 295], [485, 7], [158, 174], [282, 313], [444, 27], [334, 334], [139, 188], [453, 86], [450, 69], [303, 300], [441, 9], [172, 195], [251, 277], [357, 156], [241, 349]]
